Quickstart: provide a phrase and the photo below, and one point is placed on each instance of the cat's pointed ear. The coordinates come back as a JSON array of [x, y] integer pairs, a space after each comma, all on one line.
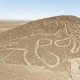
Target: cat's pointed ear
[[63, 42]]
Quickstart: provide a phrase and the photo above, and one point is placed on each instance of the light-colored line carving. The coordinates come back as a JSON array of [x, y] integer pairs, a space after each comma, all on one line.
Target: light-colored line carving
[[8, 55], [74, 46], [68, 23], [63, 40], [73, 41], [46, 34], [74, 36], [24, 57], [9, 44], [53, 21], [57, 58], [7, 49], [75, 70], [75, 24], [20, 49], [57, 33], [13, 40], [44, 39], [68, 34], [12, 49], [43, 61]]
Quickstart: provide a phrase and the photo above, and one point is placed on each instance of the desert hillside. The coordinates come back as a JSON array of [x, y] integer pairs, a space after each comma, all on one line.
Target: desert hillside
[[49, 44]]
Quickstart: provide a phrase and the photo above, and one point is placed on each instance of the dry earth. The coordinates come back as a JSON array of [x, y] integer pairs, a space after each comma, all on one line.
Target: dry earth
[[45, 49], [10, 24]]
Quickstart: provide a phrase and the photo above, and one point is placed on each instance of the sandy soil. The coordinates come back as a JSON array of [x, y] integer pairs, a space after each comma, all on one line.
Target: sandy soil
[[10, 24]]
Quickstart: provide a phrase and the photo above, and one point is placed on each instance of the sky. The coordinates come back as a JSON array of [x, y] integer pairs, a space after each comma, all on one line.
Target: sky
[[37, 9]]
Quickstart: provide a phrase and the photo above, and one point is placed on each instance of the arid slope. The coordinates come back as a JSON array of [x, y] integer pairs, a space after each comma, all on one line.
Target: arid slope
[[50, 44]]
